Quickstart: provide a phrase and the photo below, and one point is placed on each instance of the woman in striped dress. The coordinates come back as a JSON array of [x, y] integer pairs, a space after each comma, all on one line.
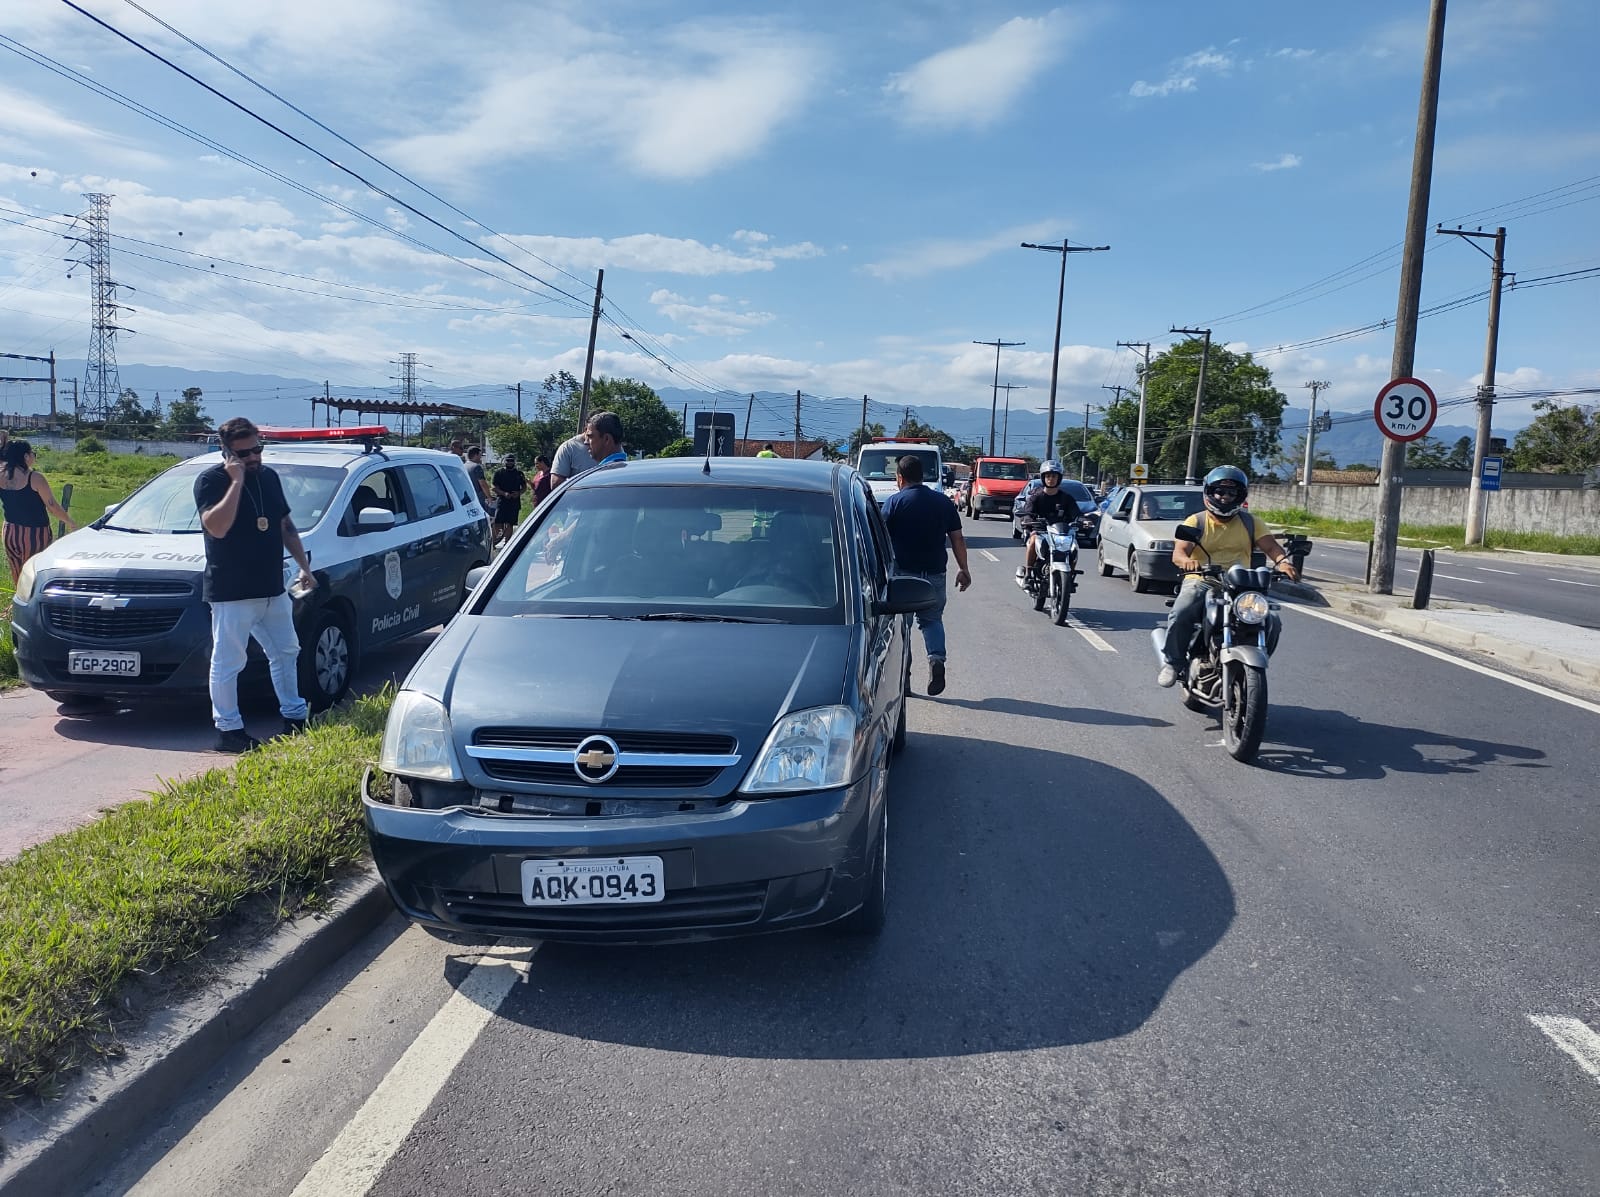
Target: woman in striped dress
[[28, 503]]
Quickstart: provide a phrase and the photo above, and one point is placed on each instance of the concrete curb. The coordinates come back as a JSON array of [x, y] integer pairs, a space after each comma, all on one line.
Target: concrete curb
[[48, 1149]]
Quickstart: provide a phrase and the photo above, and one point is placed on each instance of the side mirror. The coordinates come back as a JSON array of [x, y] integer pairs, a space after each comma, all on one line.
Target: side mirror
[[907, 596], [475, 575], [374, 519], [1185, 532], [111, 507], [1120, 516]]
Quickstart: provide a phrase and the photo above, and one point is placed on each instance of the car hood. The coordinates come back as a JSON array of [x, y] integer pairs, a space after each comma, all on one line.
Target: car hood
[[1148, 530], [94, 551], [626, 675]]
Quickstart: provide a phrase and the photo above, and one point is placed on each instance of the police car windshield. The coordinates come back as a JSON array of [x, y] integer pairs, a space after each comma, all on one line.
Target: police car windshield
[[878, 465], [166, 503], [632, 551]]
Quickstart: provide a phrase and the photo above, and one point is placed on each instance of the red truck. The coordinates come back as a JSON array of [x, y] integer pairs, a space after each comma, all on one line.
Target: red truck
[[996, 481]]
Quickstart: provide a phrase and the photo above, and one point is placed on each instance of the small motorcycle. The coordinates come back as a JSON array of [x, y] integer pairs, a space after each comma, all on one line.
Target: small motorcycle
[[1054, 578], [1227, 673]]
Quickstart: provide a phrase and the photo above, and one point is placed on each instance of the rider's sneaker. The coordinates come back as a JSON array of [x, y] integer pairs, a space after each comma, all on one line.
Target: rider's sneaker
[[1167, 677], [1022, 576], [935, 677]]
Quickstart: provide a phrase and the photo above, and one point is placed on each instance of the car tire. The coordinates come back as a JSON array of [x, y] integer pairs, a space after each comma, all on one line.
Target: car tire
[[327, 659], [1016, 533], [1106, 568], [1140, 584], [868, 918]]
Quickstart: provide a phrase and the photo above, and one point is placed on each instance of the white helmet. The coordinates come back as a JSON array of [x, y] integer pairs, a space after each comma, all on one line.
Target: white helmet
[[1051, 466]]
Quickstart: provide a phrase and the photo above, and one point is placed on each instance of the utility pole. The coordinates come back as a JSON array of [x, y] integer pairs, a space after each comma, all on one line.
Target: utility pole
[[749, 408], [327, 406], [518, 390], [795, 454], [994, 401], [1391, 470], [1144, 378], [1311, 434], [1005, 428], [74, 383], [1083, 462], [1055, 358], [588, 362], [863, 419], [1475, 495], [1189, 475]]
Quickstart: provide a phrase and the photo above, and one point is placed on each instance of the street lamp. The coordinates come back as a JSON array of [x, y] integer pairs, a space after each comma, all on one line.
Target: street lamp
[[1055, 360]]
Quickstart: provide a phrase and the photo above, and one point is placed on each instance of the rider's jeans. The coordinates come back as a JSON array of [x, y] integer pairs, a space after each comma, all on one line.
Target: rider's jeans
[[931, 621], [1187, 611]]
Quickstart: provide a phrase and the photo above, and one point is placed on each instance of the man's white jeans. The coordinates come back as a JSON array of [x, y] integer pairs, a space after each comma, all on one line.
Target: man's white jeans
[[271, 622]]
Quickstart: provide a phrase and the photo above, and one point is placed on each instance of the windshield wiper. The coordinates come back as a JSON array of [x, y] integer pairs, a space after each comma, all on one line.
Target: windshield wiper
[[699, 617], [120, 528]]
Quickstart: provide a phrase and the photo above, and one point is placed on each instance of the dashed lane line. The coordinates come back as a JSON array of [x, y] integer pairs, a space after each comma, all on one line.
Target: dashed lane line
[[1089, 634], [1574, 1037], [1510, 573], [1454, 578], [353, 1161], [1389, 637], [1570, 582], [990, 556]]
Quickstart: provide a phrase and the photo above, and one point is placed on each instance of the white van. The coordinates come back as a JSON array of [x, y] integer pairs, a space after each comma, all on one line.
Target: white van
[[878, 457]]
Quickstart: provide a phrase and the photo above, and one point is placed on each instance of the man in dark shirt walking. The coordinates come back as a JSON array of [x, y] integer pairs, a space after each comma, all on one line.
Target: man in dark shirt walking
[[509, 484], [247, 527], [920, 520]]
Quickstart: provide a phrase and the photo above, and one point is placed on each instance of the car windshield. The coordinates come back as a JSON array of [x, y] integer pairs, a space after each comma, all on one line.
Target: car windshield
[[1005, 471], [878, 465], [630, 552], [1163, 506], [166, 502]]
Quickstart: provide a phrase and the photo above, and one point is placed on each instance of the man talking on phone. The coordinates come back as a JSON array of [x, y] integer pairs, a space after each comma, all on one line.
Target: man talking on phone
[[247, 528]]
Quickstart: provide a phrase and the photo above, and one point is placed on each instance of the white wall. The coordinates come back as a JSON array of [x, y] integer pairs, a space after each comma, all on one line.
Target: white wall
[[1560, 512]]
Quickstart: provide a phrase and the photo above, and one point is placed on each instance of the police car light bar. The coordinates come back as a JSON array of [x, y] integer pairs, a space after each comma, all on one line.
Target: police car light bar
[[366, 432]]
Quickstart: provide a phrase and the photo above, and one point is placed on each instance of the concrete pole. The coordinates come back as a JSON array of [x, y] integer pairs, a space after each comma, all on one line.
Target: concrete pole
[[1476, 507]]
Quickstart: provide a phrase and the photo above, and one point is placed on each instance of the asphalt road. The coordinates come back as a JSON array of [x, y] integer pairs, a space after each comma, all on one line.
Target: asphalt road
[[1117, 962], [1526, 585], [59, 770]]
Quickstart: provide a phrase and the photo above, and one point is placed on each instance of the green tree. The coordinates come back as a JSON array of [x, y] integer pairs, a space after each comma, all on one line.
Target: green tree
[[1460, 454], [185, 416], [1292, 459], [648, 425], [682, 447], [915, 428], [1078, 452], [128, 417], [1561, 439], [858, 438], [1240, 414], [1427, 453]]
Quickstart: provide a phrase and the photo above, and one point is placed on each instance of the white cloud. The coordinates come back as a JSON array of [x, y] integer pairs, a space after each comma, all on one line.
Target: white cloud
[[1185, 73], [652, 252], [930, 257], [709, 319], [750, 235], [1288, 52], [977, 83], [1284, 162]]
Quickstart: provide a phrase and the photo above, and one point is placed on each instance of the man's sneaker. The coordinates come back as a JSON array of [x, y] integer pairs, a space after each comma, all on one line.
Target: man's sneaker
[[293, 726], [236, 741], [1167, 677], [1022, 576], [935, 677]]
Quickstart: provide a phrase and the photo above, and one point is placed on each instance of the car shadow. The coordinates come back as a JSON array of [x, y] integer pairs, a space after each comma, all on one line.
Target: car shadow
[[1306, 742], [1098, 619], [1094, 716], [1056, 906]]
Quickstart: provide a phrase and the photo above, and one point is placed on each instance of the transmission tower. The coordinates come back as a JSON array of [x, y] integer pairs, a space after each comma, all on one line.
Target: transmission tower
[[408, 388], [102, 387]]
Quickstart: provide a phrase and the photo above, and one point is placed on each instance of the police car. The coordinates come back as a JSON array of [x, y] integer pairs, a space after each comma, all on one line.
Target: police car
[[114, 611]]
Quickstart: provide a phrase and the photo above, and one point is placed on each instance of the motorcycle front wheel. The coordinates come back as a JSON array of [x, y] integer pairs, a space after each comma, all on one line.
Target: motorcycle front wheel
[[1244, 709], [1061, 598]]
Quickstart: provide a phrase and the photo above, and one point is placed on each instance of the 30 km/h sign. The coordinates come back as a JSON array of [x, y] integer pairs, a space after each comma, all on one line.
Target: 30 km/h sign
[[1406, 409]]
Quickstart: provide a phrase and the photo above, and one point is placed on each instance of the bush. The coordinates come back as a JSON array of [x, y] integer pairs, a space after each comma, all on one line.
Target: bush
[[682, 447], [90, 444]]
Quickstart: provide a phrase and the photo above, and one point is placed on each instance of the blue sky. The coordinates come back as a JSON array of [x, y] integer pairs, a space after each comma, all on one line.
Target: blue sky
[[822, 197]]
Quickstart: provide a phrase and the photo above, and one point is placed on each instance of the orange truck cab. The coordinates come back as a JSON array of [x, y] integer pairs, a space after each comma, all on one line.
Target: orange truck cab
[[996, 482]]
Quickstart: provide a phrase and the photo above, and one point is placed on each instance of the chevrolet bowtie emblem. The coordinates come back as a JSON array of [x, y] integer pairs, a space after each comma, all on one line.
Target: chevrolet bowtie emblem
[[595, 760], [108, 602]]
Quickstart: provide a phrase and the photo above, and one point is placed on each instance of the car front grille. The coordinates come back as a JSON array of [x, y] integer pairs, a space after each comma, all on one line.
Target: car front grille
[[545, 756], [82, 585], [124, 624], [708, 906], [567, 739], [563, 773]]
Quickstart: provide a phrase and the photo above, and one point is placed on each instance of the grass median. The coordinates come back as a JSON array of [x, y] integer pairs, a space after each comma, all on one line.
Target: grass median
[[1430, 536], [132, 899]]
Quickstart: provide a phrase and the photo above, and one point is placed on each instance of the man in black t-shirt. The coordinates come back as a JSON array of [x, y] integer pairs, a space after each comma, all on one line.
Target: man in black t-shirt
[[247, 527], [921, 521], [509, 485], [1048, 505]]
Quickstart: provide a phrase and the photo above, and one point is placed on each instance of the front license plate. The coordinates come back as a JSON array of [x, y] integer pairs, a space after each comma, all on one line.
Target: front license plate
[[607, 881], [102, 664]]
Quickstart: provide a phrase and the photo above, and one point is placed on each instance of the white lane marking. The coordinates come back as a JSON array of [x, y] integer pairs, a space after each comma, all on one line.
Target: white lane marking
[[1510, 573], [990, 556], [1389, 637], [1089, 634], [1453, 578], [1574, 1037], [353, 1160], [1570, 582]]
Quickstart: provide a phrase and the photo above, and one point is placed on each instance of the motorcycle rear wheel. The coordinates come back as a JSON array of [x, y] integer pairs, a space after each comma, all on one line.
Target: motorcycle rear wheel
[[1244, 709], [1040, 588]]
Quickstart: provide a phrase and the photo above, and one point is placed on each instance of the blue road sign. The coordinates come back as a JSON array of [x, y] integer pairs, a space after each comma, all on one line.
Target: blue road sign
[[1490, 478]]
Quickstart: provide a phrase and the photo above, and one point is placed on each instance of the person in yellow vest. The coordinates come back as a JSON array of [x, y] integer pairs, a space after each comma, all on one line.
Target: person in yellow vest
[[767, 450], [1228, 533]]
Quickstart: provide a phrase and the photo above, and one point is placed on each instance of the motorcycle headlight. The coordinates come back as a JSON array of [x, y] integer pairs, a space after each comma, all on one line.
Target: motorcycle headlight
[[814, 749], [1251, 607], [26, 581], [417, 740]]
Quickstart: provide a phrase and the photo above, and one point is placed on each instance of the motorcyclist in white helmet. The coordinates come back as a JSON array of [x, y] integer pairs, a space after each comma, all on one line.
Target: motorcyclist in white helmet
[[1047, 505]]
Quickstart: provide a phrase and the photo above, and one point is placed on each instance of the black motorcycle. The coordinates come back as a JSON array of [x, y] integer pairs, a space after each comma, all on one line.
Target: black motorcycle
[[1228, 656], [1053, 580]]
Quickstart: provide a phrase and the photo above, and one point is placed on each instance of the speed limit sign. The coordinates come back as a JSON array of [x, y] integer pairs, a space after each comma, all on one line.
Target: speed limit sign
[[1406, 409]]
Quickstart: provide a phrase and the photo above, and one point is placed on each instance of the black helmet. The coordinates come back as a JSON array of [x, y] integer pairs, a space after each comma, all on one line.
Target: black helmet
[[1226, 489]]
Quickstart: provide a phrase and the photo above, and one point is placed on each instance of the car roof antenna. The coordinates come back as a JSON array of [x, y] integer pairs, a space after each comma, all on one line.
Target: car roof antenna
[[711, 435]]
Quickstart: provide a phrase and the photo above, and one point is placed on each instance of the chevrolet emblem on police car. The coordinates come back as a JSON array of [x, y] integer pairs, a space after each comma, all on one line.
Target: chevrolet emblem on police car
[[596, 759], [108, 602]]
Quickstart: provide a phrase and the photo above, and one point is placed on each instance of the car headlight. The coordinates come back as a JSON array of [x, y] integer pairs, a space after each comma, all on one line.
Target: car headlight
[[26, 580], [417, 740], [982, 490], [1161, 546], [1251, 607], [807, 750]]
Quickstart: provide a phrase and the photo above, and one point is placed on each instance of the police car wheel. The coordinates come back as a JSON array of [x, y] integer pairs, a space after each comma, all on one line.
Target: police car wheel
[[326, 661]]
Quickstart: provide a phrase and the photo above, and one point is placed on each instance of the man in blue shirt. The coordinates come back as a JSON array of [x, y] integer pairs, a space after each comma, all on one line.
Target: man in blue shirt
[[920, 519], [603, 438]]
